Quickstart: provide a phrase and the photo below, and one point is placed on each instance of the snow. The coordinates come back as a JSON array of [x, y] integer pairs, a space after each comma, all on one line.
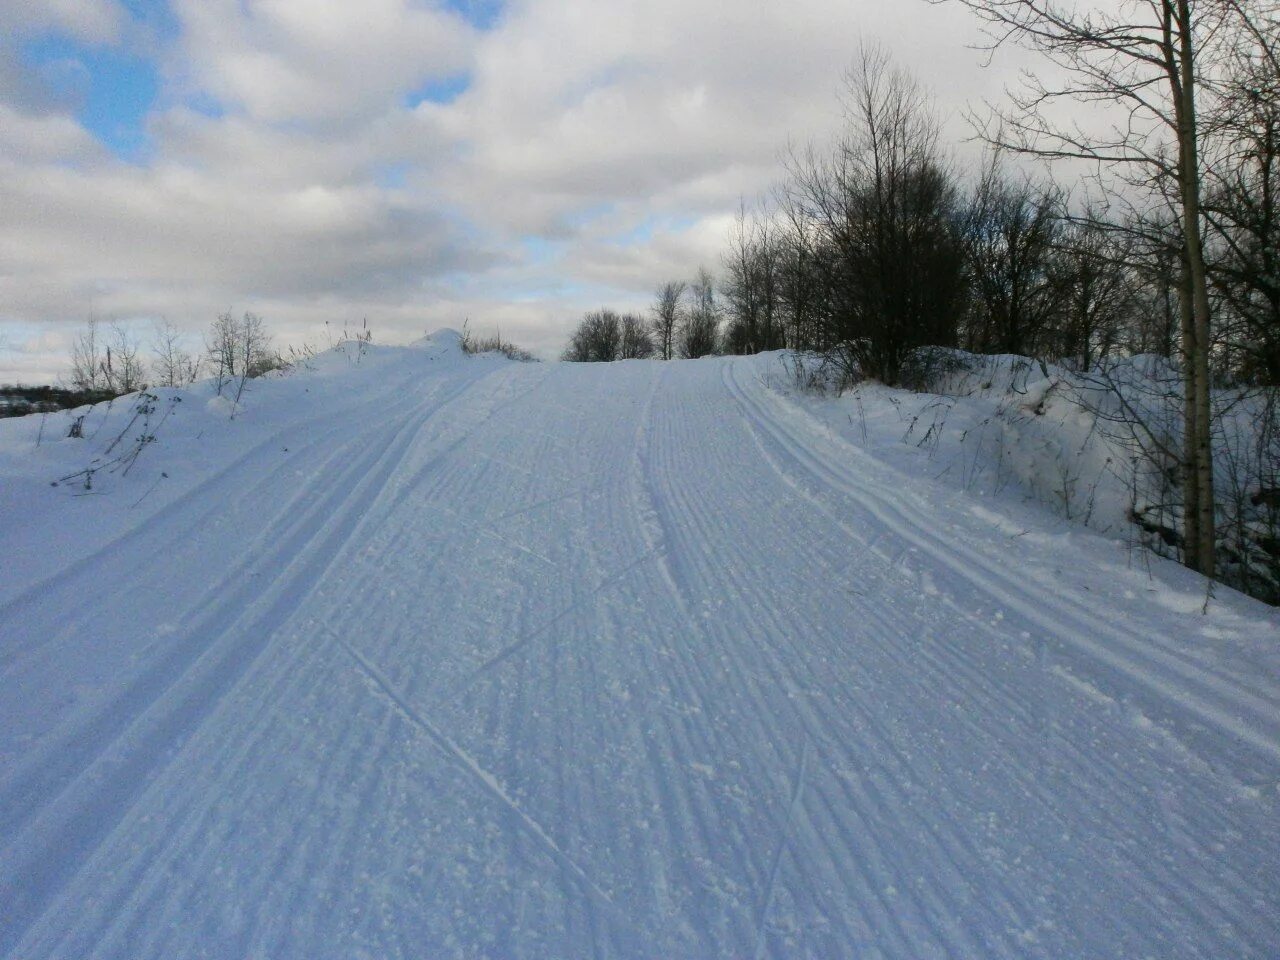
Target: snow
[[427, 655], [1098, 448]]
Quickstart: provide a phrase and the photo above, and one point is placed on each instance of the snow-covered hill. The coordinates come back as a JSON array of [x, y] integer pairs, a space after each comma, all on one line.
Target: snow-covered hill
[[427, 655]]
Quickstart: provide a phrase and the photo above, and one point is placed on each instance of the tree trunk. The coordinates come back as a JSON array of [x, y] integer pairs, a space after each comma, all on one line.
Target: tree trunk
[[1190, 425], [1196, 372]]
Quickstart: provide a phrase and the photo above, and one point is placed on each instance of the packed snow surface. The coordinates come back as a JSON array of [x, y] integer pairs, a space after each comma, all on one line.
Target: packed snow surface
[[414, 654]]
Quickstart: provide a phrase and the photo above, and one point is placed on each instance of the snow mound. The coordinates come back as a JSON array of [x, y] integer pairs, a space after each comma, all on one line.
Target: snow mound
[[445, 337], [83, 476]]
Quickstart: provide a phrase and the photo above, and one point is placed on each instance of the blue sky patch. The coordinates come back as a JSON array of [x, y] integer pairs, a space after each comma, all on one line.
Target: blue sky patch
[[392, 176], [109, 91], [650, 226], [157, 15], [481, 14], [438, 90], [206, 104], [540, 251]]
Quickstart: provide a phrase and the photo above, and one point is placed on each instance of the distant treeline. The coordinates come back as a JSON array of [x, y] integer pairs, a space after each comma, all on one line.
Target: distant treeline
[[18, 401]]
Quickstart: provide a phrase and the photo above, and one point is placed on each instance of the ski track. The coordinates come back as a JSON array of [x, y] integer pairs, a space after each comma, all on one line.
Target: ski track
[[1168, 677], [628, 660]]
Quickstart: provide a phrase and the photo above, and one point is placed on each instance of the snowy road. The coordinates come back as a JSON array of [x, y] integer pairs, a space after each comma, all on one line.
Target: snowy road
[[629, 660]]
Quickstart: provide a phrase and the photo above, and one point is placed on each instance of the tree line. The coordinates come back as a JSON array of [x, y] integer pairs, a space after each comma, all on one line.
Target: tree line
[[112, 360], [684, 322]]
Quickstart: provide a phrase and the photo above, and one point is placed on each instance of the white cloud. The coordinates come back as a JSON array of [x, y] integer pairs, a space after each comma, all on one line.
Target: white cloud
[[34, 139], [578, 104], [599, 148], [635, 269], [315, 59], [91, 21]]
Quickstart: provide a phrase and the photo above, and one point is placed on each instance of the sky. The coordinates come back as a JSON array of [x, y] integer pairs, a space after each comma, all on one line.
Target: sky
[[412, 164]]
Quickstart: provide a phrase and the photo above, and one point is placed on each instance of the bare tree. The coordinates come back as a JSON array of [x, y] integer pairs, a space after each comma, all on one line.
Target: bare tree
[[700, 334], [634, 340], [597, 338], [1097, 291], [1242, 202], [220, 346], [1010, 232], [753, 285], [740, 291], [87, 352], [122, 363], [173, 364], [254, 356], [238, 349], [806, 276], [1147, 56], [668, 316], [255, 346], [885, 209]]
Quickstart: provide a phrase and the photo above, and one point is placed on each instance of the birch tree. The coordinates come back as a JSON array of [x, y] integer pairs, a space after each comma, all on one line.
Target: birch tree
[[1143, 60]]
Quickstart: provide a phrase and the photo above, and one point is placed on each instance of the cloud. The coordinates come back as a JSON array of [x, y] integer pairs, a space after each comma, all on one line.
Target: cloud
[[632, 264], [676, 107], [89, 21], [38, 139], [118, 235], [419, 163], [315, 60]]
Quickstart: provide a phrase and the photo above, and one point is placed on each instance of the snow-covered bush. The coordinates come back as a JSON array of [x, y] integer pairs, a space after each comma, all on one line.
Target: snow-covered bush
[[1101, 448], [472, 344], [1104, 447]]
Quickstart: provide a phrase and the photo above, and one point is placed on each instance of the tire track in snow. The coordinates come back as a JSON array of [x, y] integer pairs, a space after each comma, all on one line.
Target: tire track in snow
[[569, 667], [188, 511], [725, 578], [232, 592], [790, 775], [677, 510], [392, 504], [684, 806], [374, 504], [463, 687], [565, 666], [952, 856], [994, 700], [694, 820], [116, 925]]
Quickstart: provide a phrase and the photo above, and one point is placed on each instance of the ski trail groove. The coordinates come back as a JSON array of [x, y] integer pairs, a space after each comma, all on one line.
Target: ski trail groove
[[1215, 701], [467, 763], [222, 609], [614, 661], [463, 686], [79, 787], [797, 790], [391, 399], [106, 761]]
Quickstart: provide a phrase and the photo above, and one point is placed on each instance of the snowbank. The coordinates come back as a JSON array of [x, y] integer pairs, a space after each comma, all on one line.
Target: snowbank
[[76, 479], [1099, 448]]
